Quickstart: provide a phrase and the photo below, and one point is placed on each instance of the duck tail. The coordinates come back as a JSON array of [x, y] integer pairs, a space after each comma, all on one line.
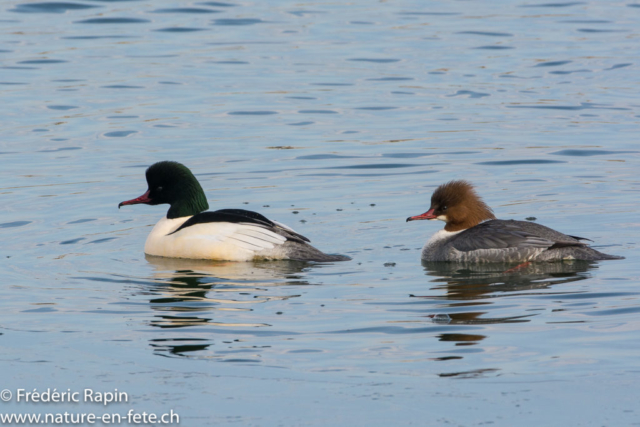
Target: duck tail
[[305, 252], [603, 256]]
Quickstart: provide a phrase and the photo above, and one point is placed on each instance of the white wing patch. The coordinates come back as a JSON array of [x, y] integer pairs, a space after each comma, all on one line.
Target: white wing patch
[[256, 238]]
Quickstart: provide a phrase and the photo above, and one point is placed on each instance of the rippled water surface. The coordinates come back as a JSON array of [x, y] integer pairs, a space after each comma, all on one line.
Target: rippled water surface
[[338, 119]]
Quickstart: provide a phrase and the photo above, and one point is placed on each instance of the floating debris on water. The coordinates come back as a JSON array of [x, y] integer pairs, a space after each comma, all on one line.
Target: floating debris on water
[[440, 318]]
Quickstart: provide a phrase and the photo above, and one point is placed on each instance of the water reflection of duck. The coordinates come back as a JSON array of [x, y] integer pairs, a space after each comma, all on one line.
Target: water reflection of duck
[[185, 287], [472, 280], [253, 271], [214, 294], [472, 285]]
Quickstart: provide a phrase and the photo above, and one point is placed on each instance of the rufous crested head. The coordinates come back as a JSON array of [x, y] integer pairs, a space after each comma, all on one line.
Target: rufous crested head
[[458, 204]]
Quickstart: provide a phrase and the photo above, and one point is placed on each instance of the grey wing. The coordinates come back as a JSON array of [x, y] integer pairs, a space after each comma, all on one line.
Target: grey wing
[[498, 234]]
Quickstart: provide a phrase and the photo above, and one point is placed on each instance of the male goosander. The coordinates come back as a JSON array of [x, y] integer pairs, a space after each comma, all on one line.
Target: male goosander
[[228, 234], [473, 234]]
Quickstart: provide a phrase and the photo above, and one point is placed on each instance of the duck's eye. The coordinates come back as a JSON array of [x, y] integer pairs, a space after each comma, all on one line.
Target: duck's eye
[[159, 189], [444, 208]]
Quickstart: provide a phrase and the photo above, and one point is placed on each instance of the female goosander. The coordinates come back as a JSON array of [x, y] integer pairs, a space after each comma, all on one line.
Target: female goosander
[[473, 234], [228, 234]]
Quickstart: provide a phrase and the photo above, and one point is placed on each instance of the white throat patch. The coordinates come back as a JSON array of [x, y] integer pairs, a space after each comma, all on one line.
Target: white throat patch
[[441, 235]]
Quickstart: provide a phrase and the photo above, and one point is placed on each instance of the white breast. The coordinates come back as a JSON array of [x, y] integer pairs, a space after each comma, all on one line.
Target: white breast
[[214, 240], [441, 235], [436, 240]]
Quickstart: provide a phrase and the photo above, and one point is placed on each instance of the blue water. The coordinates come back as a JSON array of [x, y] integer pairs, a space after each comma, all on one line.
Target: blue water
[[338, 119]]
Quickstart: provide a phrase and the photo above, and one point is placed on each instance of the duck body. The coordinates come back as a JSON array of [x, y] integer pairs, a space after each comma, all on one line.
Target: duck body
[[230, 235], [508, 241], [215, 240], [189, 231], [472, 234]]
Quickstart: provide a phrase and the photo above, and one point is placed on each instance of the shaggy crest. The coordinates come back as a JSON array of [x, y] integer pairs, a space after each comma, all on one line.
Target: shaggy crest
[[461, 205]]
